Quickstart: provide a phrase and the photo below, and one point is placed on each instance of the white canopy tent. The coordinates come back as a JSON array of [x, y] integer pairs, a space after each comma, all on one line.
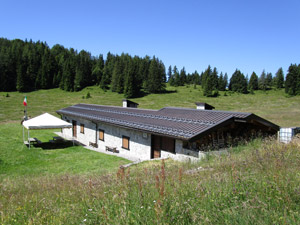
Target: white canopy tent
[[44, 121]]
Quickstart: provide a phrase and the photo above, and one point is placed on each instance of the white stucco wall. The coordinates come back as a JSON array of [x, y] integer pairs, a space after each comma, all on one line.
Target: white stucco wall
[[182, 154], [139, 143]]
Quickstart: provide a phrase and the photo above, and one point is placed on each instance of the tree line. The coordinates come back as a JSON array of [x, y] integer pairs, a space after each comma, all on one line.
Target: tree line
[[212, 82], [28, 66]]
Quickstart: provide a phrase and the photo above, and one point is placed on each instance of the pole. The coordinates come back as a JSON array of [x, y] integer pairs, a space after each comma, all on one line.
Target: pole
[[28, 138], [25, 114]]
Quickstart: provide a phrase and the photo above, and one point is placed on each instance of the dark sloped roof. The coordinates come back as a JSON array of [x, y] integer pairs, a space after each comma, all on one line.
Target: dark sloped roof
[[182, 123]]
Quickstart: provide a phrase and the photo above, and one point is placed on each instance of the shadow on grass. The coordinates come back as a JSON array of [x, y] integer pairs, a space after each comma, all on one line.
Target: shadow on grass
[[54, 145], [143, 93]]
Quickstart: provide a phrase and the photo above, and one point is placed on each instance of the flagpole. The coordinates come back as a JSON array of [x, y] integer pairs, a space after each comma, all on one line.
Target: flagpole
[[25, 111]]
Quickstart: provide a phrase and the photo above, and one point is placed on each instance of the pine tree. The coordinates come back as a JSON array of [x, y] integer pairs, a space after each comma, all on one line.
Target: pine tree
[[253, 82], [221, 86], [292, 83], [262, 84], [269, 80], [215, 79], [169, 73], [182, 77], [204, 77], [117, 82], [130, 88], [279, 78], [176, 77], [156, 77], [238, 82], [97, 71]]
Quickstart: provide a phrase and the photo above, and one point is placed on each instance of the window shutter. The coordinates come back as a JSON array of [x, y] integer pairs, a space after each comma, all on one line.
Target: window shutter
[[125, 142], [101, 135]]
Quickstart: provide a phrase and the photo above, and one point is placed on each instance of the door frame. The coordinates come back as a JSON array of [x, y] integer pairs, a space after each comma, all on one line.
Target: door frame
[[74, 128], [153, 147]]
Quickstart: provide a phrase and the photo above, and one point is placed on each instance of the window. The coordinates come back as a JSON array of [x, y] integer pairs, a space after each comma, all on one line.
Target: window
[[101, 135], [82, 128], [125, 142]]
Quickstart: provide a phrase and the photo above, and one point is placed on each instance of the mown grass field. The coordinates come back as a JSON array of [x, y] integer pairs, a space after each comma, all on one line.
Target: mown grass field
[[51, 159], [273, 105], [256, 183]]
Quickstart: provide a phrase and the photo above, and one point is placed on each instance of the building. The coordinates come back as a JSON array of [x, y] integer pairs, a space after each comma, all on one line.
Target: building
[[179, 133]]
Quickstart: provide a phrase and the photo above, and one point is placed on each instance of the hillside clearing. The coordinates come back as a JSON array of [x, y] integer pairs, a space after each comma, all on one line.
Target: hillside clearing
[[272, 105]]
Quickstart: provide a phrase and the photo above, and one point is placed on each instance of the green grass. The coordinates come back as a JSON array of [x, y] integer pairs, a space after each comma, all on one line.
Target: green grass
[[257, 183], [17, 160], [273, 105]]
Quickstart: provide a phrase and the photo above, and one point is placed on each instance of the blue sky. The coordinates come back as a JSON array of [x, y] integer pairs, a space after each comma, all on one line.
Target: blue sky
[[249, 35]]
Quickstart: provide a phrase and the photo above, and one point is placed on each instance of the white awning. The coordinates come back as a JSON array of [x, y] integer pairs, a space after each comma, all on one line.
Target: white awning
[[45, 121]]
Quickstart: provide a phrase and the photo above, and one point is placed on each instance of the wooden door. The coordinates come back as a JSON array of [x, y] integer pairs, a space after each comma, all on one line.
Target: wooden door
[[155, 147], [74, 128]]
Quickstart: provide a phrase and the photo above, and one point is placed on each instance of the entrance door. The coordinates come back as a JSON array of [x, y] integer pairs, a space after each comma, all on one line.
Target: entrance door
[[155, 146], [74, 128]]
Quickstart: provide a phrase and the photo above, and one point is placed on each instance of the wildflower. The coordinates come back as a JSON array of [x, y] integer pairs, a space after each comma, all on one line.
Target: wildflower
[[84, 220], [90, 210], [154, 201], [142, 207]]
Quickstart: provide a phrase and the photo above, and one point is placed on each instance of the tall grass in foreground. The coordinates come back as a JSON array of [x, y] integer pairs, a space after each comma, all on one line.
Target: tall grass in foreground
[[255, 186]]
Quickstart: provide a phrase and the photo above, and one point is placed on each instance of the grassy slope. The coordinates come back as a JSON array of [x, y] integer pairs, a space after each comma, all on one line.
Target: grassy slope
[[17, 160], [272, 105], [256, 184]]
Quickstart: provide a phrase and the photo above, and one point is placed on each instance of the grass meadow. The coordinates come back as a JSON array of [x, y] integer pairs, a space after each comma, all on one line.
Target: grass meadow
[[255, 183], [272, 105]]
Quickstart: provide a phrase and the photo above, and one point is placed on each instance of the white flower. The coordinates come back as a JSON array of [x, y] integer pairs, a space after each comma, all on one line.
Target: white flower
[[154, 201], [142, 207], [84, 220], [90, 210]]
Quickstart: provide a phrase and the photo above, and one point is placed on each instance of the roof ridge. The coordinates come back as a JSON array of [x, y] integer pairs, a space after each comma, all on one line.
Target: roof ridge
[[202, 110], [119, 107], [153, 116]]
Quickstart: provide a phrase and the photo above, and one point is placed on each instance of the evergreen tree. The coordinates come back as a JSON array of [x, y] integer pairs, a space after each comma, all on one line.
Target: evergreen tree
[[107, 71], [131, 89], [117, 83], [226, 80], [253, 82], [292, 83], [262, 84], [204, 76], [156, 77], [169, 73], [97, 71], [279, 78], [176, 77], [182, 77], [196, 78], [269, 80], [238, 82], [221, 86], [214, 79]]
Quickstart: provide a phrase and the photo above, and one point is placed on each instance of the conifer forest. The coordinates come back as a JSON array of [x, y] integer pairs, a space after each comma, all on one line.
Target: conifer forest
[[27, 66]]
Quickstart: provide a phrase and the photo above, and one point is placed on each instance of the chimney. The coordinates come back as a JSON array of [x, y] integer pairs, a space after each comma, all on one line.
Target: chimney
[[129, 104], [204, 106]]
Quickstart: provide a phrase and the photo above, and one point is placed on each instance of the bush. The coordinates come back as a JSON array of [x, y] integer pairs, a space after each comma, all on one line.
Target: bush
[[88, 95]]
